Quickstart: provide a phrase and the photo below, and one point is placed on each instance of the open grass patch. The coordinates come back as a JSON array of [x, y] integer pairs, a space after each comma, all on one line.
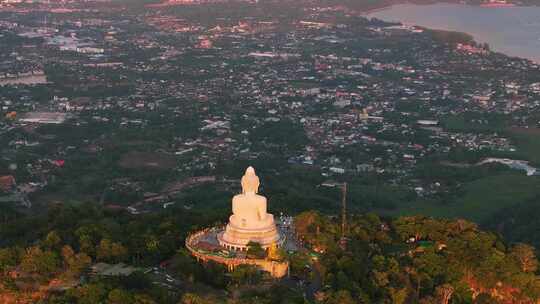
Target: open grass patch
[[528, 142], [480, 199], [147, 160]]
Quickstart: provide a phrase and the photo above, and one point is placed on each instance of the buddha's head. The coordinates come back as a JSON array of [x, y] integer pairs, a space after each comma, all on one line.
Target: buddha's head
[[250, 181]]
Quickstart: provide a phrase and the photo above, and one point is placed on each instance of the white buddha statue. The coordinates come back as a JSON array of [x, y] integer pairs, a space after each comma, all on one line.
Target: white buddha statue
[[249, 208], [249, 221]]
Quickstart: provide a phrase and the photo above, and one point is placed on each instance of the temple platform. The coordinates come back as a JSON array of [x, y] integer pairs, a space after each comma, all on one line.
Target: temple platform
[[205, 246]]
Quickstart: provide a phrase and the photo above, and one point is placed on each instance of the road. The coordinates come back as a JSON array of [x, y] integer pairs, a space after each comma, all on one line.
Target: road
[[315, 284]]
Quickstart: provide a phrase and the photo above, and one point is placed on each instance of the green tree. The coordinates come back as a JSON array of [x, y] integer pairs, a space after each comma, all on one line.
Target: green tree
[[246, 274], [412, 226], [255, 250], [89, 294], [74, 264], [103, 250], [398, 295], [143, 299], [119, 296], [298, 263], [9, 257], [340, 297], [525, 256], [485, 298], [52, 241], [191, 298], [110, 251], [38, 261]]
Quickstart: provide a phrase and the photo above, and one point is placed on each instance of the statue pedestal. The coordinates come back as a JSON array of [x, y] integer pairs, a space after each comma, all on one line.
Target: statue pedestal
[[237, 238]]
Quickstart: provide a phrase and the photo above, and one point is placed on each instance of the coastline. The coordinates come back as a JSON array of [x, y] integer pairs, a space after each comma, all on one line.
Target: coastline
[[386, 5], [523, 48]]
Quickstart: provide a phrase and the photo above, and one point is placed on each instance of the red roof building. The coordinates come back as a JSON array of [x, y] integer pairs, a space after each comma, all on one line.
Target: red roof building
[[7, 183]]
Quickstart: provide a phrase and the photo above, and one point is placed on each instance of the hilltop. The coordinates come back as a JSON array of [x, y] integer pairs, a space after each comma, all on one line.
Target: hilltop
[[385, 260]]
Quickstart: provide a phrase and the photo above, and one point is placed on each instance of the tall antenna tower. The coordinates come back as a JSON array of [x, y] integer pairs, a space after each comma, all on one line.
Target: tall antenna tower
[[343, 239], [343, 186], [343, 210], [45, 21]]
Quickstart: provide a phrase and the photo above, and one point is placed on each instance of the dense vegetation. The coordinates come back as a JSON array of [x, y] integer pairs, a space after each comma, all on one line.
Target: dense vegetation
[[419, 260], [403, 260], [59, 246]]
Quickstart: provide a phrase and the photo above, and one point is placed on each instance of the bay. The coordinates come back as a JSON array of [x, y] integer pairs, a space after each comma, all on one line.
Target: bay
[[514, 31]]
